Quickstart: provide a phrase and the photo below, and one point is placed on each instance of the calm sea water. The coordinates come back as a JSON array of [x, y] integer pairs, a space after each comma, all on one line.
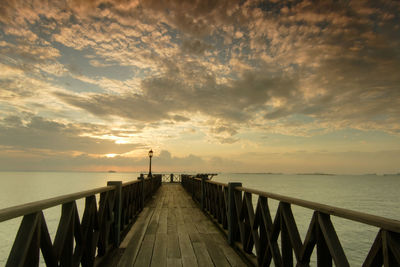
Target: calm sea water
[[369, 193]]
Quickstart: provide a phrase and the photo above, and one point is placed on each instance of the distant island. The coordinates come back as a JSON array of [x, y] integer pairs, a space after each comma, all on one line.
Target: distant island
[[264, 173], [392, 174], [316, 173], [111, 171]]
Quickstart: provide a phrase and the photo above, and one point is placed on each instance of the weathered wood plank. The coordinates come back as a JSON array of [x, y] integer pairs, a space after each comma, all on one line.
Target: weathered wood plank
[[133, 239], [153, 225], [217, 256], [139, 225], [202, 256], [180, 223], [162, 222], [232, 257], [185, 246], [174, 262], [145, 252], [173, 250], [189, 261], [159, 257], [171, 221]]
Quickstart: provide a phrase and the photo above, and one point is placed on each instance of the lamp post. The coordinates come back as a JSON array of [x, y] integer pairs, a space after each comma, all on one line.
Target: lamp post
[[150, 156]]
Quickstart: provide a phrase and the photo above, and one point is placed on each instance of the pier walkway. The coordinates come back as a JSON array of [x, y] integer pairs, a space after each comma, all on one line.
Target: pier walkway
[[175, 232]]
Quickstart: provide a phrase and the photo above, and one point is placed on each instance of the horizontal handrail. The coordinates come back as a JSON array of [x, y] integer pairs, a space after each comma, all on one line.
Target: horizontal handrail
[[374, 220], [130, 182], [20, 210], [217, 183]]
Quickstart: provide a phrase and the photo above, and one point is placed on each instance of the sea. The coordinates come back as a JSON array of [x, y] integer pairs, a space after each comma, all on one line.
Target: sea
[[372, 194]]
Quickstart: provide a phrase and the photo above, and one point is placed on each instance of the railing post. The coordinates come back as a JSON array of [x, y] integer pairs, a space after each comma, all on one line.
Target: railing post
[[192, 179], [117, 211], [142, 197], [232, 216], [172, 178], [203, 193]]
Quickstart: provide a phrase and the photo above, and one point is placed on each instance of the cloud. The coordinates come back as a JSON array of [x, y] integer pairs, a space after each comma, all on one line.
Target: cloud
[[196, 47], [38, 133]]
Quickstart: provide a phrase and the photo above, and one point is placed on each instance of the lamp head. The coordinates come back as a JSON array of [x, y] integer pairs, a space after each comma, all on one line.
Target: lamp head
[[150, 153]]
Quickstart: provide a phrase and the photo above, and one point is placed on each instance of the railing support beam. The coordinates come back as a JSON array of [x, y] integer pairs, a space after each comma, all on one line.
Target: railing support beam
[[232, 216], [203, 193], [143, 194], [117, 211]]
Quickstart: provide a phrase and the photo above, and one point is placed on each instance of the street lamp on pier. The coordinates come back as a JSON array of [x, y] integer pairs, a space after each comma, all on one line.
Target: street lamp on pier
[[150, 156]]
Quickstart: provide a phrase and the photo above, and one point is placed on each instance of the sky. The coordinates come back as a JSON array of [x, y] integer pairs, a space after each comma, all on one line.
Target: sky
[[294, 86]]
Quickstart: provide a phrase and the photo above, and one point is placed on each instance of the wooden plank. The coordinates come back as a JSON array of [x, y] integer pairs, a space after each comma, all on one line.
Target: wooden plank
[[153, 225], [195, 237], [210, 226], [202, 256], [217, 256], [232, 257], [174, 262], [189, 261], [162, 222], [220, 239], [133, 240], [173, 250], [139, 226], [171, 221], [181, 227], [185, 246], [145, 252], [190, 221], [159, 257]]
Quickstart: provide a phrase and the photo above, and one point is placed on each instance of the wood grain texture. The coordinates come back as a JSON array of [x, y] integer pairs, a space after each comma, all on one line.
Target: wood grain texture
[[180, 234]]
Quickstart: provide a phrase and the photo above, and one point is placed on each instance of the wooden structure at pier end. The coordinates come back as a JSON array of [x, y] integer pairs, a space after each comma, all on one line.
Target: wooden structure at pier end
[[185, 220]]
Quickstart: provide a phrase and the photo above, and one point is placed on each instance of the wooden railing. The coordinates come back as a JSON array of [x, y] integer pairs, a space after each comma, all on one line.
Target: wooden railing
[[253, 231], [78, 242]]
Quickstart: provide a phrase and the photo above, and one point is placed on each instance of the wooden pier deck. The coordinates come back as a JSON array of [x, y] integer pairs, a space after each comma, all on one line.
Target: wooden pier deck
[[173, 231]]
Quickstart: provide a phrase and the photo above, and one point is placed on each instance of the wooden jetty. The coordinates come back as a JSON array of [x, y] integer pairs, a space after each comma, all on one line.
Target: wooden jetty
[[184, 220]]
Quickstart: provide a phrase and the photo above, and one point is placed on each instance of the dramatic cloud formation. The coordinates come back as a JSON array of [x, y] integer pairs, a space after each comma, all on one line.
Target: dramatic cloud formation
[[215, 79]]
